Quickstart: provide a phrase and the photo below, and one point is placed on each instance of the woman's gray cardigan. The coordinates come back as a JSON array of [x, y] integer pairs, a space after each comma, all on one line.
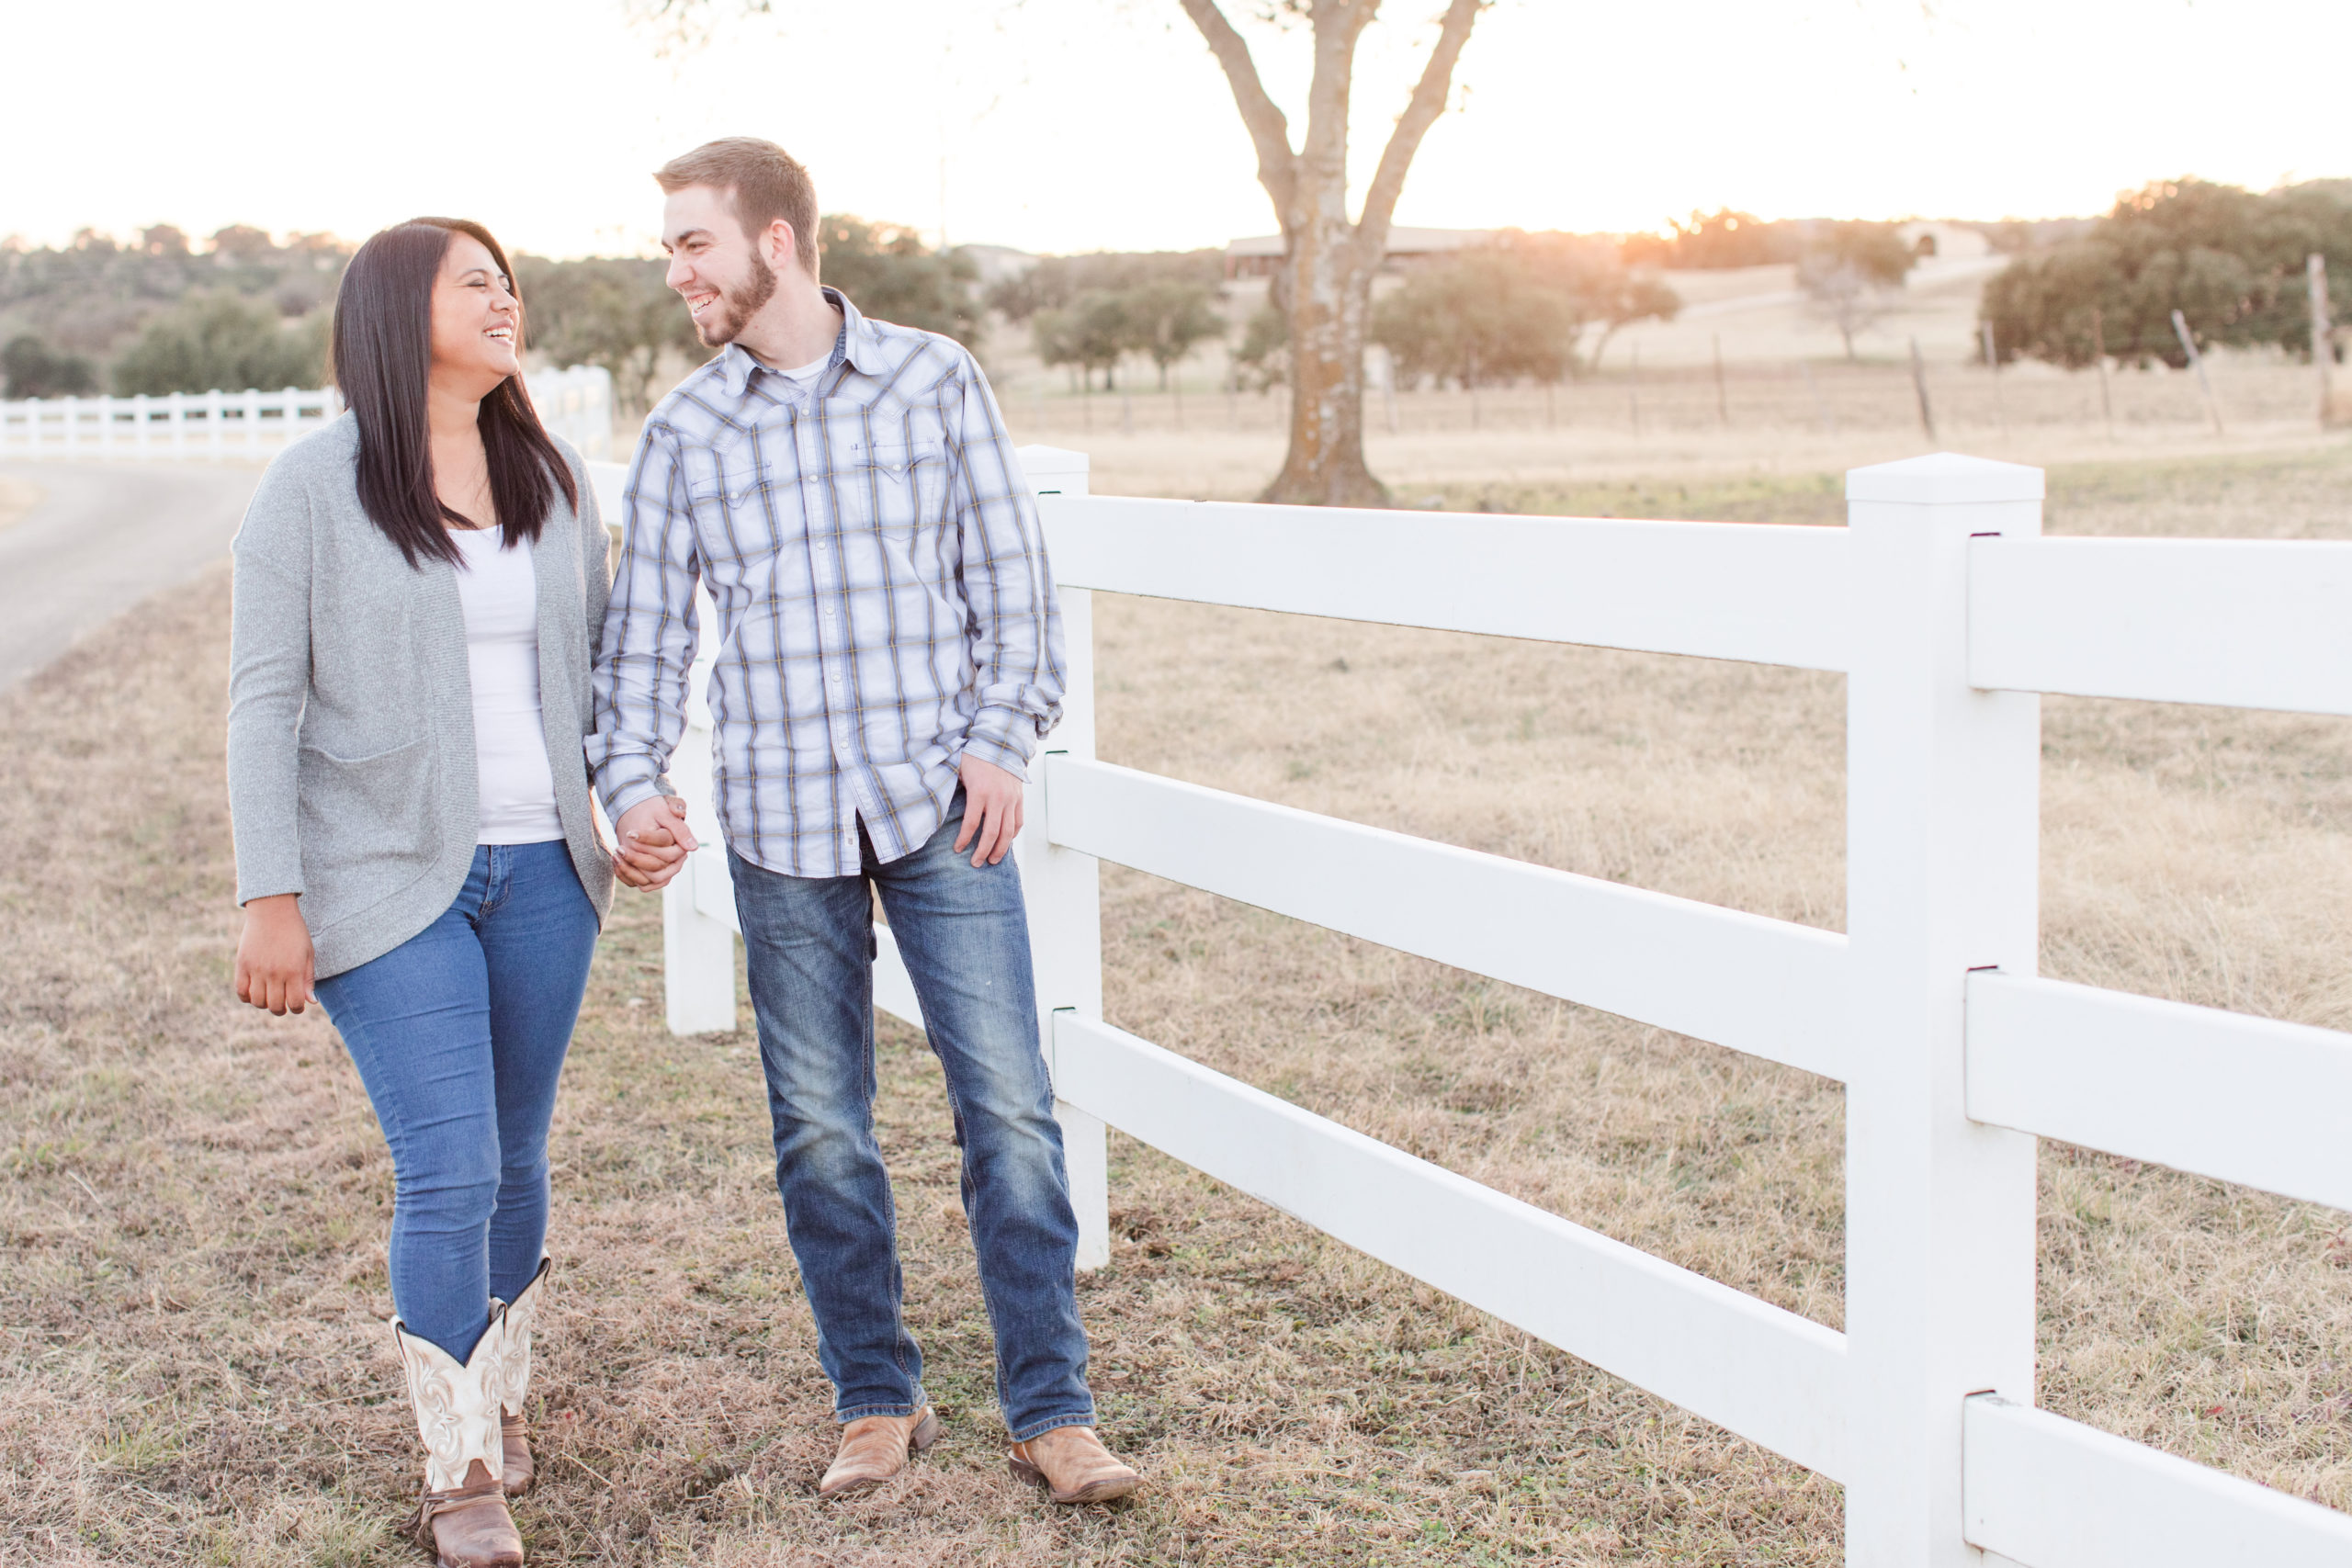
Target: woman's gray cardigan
[[352, 778]]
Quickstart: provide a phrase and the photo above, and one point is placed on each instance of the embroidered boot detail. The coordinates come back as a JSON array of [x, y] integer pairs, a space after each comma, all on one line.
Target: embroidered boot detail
[[515, 1382]]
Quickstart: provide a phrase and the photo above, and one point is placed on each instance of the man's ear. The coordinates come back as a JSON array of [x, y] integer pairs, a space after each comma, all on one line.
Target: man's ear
[[783, 246]]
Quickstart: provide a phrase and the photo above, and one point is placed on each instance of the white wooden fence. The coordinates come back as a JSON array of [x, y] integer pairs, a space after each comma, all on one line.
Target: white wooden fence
[[576, 404], [1947, 613]]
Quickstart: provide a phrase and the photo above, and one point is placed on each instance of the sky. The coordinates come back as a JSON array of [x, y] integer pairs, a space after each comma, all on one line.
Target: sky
[[1069, 124]]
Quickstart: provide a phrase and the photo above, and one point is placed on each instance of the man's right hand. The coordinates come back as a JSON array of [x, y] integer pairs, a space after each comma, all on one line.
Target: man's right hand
[[655, 841]]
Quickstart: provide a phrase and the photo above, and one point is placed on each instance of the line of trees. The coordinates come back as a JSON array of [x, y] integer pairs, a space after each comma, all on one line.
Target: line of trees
[[160, 315], [1092, 312], [2230, 260], [157, 313]]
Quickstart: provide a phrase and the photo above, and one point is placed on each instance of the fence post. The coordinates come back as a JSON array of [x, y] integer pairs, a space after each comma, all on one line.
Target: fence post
[[697, 950], [1943, 831], [1062, 888]]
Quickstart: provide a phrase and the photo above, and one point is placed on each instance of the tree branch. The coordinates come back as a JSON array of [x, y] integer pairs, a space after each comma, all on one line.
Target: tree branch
[[1277, 164], [1339, 24], [1428, 102]]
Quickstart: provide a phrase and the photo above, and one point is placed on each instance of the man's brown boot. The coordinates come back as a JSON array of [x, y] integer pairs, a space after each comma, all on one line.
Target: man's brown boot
[[875, 1448], [1072, 1464], [514, 1379], [462, 1517]]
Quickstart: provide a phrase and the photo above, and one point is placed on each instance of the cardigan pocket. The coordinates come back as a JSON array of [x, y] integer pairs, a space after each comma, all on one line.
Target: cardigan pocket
[[367, 822]]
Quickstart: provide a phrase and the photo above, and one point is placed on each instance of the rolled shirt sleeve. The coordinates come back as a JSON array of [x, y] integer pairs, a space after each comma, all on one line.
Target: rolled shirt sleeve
[[1015, 631]]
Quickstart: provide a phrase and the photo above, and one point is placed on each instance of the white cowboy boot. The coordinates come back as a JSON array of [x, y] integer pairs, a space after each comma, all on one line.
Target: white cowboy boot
[[462, 1517], [514, 1381]]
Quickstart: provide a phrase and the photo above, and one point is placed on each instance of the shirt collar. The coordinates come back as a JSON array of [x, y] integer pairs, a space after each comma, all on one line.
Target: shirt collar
[[857, 343]]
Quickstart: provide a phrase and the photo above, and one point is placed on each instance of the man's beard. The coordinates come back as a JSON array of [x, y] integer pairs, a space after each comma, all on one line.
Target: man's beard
[[739, 306]]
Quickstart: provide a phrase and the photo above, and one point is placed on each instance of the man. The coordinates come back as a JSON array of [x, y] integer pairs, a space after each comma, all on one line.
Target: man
[[889, 654]]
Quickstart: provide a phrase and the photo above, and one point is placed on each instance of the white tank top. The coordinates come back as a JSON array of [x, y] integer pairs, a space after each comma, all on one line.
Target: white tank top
[[500, 593]]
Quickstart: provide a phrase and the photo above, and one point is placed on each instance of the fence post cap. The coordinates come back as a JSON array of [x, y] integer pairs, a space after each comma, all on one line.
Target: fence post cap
[[1944, 477], [1039, 460]]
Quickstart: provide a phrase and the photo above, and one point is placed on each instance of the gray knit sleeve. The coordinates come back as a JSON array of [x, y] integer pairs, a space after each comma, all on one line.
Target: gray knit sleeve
[[269, 677]]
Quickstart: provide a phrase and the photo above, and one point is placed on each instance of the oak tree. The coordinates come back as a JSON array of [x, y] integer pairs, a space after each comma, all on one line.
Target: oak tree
[[1329, 262]]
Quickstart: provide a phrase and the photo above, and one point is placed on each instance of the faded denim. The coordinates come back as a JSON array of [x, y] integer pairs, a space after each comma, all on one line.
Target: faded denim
[[965, 937]]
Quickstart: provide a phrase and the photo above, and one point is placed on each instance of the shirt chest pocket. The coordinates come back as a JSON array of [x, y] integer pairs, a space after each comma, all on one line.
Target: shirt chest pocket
[[901, 489], [741, 518]]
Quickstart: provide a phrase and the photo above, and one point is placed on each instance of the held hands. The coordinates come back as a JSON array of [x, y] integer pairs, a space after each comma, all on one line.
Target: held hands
[[276, 965], [991, 811], [655, 841]]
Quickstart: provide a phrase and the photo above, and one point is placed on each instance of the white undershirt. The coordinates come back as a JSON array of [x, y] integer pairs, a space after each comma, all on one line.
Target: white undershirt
[[800, 383], [499, 592]]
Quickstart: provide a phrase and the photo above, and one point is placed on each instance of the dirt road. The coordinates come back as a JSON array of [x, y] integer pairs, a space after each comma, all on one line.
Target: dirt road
[[104, 536]]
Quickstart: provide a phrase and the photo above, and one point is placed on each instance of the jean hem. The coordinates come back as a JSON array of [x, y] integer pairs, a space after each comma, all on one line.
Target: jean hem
[[1050, 1424], [860, 1412]]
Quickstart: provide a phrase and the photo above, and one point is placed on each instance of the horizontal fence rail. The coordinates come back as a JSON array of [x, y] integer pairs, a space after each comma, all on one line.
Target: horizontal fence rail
[[2052, 1493], [576, 404], [1767, 593], [180, 424], [2244, 623], [2220, 1094], [1769, 987], [1944, 606], [1769, 1375]]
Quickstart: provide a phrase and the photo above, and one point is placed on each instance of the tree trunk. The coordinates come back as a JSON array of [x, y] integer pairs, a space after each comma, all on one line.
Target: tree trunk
[[1327, 262], [1331, 302]]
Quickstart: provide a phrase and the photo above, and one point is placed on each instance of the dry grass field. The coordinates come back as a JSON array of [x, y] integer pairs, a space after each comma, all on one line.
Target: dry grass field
[[192, 1289]]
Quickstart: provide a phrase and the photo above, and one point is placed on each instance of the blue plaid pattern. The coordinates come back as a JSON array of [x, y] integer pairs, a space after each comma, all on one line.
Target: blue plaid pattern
[[885, 605]]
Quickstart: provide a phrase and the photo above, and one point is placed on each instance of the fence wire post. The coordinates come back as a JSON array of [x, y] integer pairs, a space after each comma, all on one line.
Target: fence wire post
[[1062, 888], [1942, 834]]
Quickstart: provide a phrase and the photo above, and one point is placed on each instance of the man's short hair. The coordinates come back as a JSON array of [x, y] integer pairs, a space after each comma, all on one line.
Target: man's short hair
[[763, 181]]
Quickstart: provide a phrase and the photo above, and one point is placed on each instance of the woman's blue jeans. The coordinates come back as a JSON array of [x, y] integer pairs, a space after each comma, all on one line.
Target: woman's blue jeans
[[459, 1033], [963, 931]]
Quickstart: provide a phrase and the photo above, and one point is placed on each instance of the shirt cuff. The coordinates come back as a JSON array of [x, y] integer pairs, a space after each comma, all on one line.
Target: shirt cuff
[[1006, 737], [632, 793]]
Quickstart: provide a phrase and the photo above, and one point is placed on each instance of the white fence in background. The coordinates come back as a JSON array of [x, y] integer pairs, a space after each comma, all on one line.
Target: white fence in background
[[1949, 614], [576, 404]]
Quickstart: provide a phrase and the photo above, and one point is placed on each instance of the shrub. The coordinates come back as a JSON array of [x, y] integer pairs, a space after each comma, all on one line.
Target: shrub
[[612, 312], [1518, 310], [2230, 261], [222, 342], [31, 368], [892, 275]]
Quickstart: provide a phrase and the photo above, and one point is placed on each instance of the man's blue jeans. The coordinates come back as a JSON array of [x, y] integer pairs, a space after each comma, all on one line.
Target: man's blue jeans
[[459, 1033], [965, 937]]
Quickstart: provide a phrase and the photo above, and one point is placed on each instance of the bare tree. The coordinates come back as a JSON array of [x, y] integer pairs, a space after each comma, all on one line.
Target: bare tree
[[1328, 262], [1843, 295]]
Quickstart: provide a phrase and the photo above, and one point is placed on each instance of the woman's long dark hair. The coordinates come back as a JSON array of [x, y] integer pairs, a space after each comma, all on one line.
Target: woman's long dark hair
[[383, 357]]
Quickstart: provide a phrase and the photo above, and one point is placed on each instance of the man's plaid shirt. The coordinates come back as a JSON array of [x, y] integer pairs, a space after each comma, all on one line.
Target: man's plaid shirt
[[883, 602]]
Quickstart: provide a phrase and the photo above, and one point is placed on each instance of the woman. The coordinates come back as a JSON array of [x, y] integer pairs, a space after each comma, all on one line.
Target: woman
[[419, 587]]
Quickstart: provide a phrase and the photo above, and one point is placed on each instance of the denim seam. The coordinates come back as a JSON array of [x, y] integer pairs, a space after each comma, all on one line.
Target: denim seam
[[898, 1337], [860, 1412], [1050, 1424]]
